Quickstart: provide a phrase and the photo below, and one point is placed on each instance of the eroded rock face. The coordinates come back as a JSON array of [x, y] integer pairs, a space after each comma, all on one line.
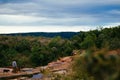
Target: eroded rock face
[[66, 59], [5, 70], [62, 71], [61, 66], [114, 52]]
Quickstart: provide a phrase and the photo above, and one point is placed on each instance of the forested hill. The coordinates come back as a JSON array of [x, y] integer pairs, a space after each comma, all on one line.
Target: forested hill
[[32, 51], [45, 34]]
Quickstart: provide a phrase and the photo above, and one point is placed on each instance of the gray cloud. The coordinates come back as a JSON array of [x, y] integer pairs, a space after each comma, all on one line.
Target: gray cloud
[[63, 12]]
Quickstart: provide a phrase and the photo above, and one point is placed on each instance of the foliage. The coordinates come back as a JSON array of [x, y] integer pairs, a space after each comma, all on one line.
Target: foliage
[[79, 71], [99, 38], [65, 35], [103, 67], [96, 66], [32, 51]]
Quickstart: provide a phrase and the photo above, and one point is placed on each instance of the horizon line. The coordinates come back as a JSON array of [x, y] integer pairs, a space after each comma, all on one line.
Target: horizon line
[[49, 29]]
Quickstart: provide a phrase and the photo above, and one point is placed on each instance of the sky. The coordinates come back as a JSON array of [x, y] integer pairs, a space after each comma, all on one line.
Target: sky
[[18, 16]]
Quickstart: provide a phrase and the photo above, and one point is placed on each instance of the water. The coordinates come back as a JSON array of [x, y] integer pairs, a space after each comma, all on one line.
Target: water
[[37, 76], [28, 70], [33, 77]]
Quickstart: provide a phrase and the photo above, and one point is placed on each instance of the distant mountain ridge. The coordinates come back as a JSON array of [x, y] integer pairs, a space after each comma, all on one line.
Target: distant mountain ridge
[[45, 34]]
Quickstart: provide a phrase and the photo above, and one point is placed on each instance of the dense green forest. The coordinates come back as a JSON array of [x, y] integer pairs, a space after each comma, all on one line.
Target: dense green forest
[[101, 57], [66, 35], [31, 51], [34, 51], [99, 38]]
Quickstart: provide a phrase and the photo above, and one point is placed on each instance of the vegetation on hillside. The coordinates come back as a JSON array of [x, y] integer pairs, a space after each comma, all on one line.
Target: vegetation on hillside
[[95, 64], [65, 35], [99, 38], [32, 51], [101, 58]]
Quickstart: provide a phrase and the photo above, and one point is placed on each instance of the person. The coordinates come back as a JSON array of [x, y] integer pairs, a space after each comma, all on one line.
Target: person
[[14, 65]]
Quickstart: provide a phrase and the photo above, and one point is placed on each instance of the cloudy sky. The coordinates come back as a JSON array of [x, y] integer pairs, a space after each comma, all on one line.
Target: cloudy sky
[[57, 15]]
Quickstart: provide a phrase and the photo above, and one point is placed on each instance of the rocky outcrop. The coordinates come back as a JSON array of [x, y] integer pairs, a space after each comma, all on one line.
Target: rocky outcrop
[[61, 66]]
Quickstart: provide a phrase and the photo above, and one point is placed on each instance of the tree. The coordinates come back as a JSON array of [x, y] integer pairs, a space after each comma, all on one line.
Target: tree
[[88, 42], [23, 45]]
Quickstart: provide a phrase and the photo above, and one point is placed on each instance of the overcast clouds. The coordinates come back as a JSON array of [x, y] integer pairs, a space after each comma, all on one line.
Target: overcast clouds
[[45, 15]]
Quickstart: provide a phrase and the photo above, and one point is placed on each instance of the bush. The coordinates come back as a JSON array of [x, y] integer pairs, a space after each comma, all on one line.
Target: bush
[[99, 66]]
